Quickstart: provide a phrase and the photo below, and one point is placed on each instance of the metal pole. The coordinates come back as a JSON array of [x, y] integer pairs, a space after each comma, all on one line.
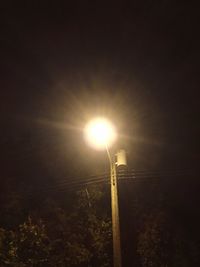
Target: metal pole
[[115, 214]]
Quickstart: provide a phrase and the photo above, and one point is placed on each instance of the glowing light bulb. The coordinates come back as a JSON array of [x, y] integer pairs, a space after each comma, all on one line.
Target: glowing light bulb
[[100, 133]]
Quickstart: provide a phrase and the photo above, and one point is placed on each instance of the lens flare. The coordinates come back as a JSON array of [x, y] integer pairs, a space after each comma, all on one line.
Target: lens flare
[[100, 133]]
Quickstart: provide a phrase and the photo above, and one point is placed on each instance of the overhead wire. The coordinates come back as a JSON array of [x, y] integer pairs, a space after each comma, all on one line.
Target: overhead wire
[[154, 171], [71, 184], [81, 178], [122, 175]]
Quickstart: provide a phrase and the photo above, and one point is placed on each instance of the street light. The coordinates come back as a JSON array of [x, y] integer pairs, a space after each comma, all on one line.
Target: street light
[[101, 134]]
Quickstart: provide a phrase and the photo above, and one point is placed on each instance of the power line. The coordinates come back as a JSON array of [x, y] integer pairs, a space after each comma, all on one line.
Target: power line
[[132, 174], [154, 171], [121, 173], [81, 178]]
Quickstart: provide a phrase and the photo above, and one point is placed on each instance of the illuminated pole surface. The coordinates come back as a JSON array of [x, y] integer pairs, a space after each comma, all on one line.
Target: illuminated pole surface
[[115, 214]]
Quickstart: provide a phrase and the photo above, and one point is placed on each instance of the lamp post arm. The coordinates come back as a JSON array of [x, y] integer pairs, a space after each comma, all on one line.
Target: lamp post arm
[[109, 156], [112, 167]]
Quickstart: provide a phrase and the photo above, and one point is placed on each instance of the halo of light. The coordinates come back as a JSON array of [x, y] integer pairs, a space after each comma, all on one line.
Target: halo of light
[[100, 133]]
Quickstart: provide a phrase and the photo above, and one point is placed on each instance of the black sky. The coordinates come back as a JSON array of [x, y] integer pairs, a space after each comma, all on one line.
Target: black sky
[[61, 64]]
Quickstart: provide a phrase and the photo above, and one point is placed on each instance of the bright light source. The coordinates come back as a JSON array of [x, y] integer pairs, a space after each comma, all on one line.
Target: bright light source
[[100, 133]]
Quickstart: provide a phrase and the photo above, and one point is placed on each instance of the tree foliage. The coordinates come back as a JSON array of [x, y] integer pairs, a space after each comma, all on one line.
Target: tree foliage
[[76, 231], [162, 242], [55, 237]]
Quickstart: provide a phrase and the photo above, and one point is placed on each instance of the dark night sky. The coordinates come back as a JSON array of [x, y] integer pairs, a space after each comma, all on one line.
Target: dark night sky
[[61, 64]]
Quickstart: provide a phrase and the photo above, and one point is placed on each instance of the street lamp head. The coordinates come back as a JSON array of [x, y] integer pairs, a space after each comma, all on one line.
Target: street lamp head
[[100, 133]]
